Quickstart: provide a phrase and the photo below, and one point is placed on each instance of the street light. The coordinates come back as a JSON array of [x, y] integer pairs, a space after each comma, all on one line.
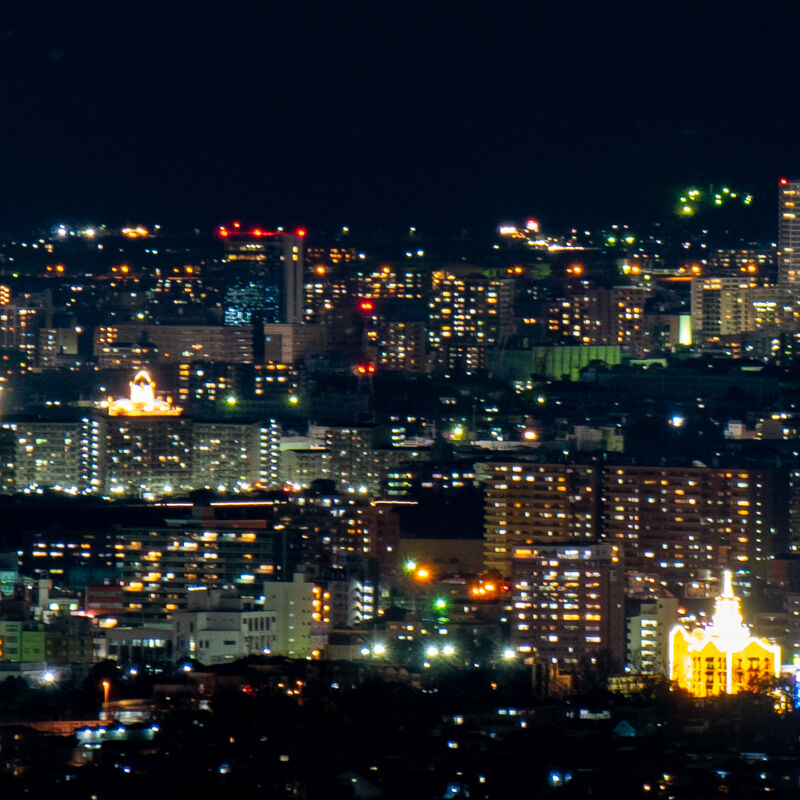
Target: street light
[[106, 684]]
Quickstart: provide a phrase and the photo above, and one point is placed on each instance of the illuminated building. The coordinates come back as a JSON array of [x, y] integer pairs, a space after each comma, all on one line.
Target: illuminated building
[[684, 523], [722, 657], [648, 635], [147, 444], [179, 286], [251, 302], [175, 343], [469, 316], [400, 344], [230, 388], [568, 602], [42, 454], [142, 401], [788, 233], [19, 329], [393, 282], [357, 465], [731, 306], [324, 293], [294, 603], [161, 566], [216, 628], [266, 268], [603, 317], [529, 503], [137, 446]]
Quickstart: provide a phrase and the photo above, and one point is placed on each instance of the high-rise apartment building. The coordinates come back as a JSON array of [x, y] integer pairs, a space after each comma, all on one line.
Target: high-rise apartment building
[[116, 345], [684, 523], [725, 306], [788, 233], [568, 602], [469, 317], [160, 566], [603, 316], [137, 447], [528, 503]]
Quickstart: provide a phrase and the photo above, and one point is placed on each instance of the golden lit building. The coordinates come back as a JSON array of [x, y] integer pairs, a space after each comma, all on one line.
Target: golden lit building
[[723, 657], [142, 401]]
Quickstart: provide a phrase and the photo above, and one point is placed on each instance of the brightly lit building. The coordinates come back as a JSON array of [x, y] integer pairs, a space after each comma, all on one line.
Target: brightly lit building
[[142, 401], [686, 523], [648, 635], [300, 629], [138, 446], [568, 602], [528, 503], [469, 317], [725, 306], [788, 232], [722, 657], [160, 567], [603, 316]]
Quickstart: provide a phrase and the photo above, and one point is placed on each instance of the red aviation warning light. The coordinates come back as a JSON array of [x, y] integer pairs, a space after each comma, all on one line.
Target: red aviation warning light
[[365, 369], [366, 305], [301, 232], [784, 181]]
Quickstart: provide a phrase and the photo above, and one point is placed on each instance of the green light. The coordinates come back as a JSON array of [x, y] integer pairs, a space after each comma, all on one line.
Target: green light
[[294, 399], [440, 603], [410, 565], [231, 400]]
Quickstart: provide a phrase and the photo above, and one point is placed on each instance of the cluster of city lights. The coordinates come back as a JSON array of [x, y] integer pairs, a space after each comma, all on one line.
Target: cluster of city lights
[[693, 200]]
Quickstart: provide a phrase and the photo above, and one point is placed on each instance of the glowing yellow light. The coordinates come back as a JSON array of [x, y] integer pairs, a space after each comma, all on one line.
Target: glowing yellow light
[[142, 401], [722, 657], [422, 574]]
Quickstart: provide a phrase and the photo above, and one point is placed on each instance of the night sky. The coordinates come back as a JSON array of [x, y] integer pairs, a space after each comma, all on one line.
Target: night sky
[[382, 113]]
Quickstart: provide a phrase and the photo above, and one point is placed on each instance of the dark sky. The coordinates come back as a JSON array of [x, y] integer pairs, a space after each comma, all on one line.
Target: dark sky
[[388, 113]]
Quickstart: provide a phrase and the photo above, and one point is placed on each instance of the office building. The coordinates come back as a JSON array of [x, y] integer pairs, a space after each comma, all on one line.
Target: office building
[[265, 271]]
